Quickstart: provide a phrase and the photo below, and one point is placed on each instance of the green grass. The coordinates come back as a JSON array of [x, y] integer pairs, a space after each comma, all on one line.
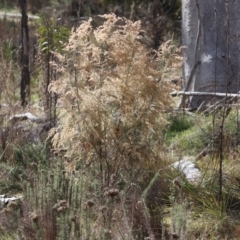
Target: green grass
[[187, 135]]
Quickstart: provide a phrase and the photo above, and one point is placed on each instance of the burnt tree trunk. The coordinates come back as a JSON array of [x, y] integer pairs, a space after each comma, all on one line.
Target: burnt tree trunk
[[25, 77]]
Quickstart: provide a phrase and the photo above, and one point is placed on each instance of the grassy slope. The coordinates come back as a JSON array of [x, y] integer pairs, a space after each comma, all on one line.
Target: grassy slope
[[189, 136]]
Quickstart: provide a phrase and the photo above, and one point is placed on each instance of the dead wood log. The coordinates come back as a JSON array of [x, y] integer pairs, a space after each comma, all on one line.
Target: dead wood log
[[26, 116], [228, 95]]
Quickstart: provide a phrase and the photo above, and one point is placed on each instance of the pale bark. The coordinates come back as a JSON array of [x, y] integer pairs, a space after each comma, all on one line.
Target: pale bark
[[16, 16], [202, 94], [211, 34]]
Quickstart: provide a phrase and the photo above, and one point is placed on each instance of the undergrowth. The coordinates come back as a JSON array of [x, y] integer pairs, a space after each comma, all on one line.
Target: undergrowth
[[197, 135], [107, 172], [115, 97], [191, 134], [113, 100]]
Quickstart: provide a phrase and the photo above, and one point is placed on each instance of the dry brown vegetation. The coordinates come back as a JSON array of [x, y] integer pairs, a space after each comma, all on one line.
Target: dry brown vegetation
[[112, 93], [113, 100], [103, 172]]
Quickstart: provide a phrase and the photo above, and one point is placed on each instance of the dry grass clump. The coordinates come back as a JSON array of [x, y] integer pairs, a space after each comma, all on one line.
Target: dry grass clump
[[114, 100]]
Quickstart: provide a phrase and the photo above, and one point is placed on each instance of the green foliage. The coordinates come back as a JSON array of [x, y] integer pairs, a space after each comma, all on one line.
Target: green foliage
[[192, 140], [49, 195], [25, 159], [191, 134], [5, 4], [31, 154], [177, 124], [171, 7], [179, 218], [10, 182], [52, 200], [52, 37], [196, 208], [9, 73], [8, 50]]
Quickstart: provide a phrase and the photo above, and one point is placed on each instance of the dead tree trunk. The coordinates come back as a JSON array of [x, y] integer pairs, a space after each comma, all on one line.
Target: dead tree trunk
[[211, 35], [25, 77]]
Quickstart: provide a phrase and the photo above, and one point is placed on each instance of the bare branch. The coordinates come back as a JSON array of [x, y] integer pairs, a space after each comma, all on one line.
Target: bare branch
[[229, 95]]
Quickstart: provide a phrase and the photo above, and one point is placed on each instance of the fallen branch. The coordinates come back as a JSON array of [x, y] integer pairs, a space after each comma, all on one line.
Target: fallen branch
[[4, 199], [27, 116], [45, 123], [175, 94], [17, 15]]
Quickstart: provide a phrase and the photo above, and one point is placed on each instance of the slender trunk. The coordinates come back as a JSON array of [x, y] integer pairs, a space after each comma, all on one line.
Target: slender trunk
[[25, 77]]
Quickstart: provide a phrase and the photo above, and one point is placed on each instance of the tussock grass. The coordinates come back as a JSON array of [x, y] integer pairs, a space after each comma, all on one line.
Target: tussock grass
[[207, 217]]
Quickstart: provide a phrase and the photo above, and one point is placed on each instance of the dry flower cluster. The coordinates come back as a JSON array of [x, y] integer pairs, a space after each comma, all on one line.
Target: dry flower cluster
[[112, 93]]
